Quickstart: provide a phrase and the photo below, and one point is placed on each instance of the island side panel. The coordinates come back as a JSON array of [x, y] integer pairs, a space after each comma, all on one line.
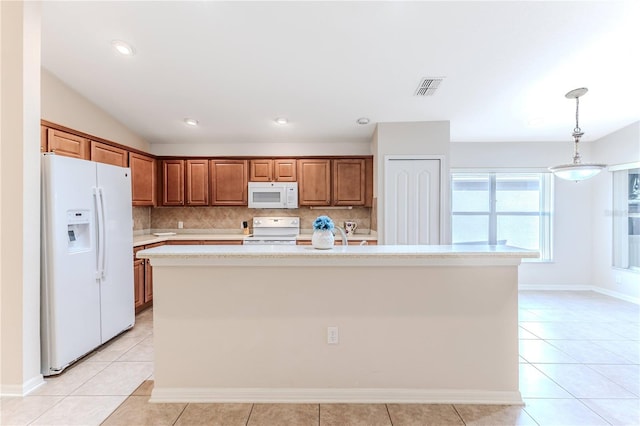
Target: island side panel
[[436, 329]]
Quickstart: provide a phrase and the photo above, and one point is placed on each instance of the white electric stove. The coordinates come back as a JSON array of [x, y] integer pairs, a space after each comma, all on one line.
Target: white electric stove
[[274, 230]]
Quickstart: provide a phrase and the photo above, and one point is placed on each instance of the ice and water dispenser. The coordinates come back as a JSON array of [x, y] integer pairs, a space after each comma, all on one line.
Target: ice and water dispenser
[[78, 230]]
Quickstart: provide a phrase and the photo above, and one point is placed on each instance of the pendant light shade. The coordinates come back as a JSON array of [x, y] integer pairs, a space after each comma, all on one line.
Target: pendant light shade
[[577, 171]]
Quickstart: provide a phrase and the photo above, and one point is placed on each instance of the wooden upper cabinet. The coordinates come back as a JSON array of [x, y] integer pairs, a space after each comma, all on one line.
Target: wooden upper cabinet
[[285, 170], [276, 170], [103, 153], [228, 182], [143, 179], [197, 182], [349, 185], [43, 139], [261, 170], [67, 144], [368, 170], [314, 182], [172, 182]]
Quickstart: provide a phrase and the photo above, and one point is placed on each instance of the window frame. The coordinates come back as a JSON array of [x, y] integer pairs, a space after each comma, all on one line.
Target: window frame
[[545, 208]]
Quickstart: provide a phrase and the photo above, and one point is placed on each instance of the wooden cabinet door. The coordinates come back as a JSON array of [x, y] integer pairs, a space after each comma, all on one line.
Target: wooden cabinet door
[[138, 280], [368, 178], [143, 179], [138, 283], [67, 144], [148, 275], [261, 170], [43, 139], [268, 170], [284, 170], [349, 182], [103, 153], [197, 189], [148, 282], [228, 182], [314, 182], [173, 182]]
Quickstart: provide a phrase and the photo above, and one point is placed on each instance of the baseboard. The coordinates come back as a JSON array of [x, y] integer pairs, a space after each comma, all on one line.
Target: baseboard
[[555, 287], [617, 295], [322, 395], [24, 389], [578, 287]]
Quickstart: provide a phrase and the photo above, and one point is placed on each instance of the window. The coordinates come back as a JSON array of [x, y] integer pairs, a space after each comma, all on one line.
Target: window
[[502, 208], [626, 218]]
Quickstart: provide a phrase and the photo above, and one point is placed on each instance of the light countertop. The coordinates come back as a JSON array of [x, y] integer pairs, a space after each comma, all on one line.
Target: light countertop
[[370, 255]]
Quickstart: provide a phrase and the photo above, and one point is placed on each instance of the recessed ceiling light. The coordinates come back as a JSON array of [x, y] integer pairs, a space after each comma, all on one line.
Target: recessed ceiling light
[[281, 120], [362, 121], [123, 48], [191, 122]]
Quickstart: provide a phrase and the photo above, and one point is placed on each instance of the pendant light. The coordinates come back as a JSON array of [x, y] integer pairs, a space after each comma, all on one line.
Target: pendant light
[[577, 170]]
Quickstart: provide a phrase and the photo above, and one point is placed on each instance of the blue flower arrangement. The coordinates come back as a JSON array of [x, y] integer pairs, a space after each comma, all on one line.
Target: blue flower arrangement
[[323, 222]]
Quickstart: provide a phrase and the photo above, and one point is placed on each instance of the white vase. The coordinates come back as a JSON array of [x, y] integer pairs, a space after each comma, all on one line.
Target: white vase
[[322, 239]]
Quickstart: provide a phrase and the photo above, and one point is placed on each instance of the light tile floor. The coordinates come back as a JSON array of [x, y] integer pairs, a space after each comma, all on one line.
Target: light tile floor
[[579, 365]]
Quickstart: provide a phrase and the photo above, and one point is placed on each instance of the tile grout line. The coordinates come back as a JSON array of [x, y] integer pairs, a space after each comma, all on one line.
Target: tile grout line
[[458, 413], [593, 411], [249, 416], [180, 415]]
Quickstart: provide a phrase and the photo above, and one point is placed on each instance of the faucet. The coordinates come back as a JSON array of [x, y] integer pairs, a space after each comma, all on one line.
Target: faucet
[[343, 235]]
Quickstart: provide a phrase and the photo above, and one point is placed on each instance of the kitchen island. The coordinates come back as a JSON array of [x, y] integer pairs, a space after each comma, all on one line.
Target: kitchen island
[[434, 324]]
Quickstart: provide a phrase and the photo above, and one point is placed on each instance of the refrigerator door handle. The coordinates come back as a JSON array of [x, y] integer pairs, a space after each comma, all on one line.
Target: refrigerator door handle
[[96, 204], [100, 225], [105, 256]]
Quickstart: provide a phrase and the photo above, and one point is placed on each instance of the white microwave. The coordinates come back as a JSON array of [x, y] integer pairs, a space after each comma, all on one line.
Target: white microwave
[[273, 195]]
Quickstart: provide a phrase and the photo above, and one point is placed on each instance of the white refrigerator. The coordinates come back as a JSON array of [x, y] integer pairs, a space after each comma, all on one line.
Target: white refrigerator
[[87, 268]]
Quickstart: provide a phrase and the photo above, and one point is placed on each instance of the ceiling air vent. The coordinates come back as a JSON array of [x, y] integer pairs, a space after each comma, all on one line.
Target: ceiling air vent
[[428, 86]]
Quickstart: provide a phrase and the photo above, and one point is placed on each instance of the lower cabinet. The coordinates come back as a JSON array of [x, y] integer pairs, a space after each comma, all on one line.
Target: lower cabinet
[[143, 279], [138, 281]]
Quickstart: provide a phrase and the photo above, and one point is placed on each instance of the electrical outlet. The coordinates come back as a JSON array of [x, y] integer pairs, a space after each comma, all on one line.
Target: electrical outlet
[[332, 335], [180, 225], [618, 279]]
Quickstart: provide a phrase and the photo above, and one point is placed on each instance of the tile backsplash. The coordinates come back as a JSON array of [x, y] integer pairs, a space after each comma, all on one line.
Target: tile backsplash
[[228, 218], [141, 218]]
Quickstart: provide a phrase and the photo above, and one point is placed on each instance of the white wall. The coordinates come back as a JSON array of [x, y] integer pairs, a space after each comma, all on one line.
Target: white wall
[[263, 149], [64, 106], [572, 238], [411, 138], [620, 147]]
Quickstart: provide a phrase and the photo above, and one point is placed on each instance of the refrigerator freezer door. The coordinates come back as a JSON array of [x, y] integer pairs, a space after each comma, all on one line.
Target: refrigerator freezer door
[[70, 290], [116, 288]]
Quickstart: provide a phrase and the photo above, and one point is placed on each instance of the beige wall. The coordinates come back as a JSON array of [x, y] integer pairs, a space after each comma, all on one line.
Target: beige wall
[[20, 197], [63, 105]]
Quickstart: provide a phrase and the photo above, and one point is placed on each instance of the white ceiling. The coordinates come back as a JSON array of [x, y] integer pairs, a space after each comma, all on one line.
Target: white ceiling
[[236, 66]]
